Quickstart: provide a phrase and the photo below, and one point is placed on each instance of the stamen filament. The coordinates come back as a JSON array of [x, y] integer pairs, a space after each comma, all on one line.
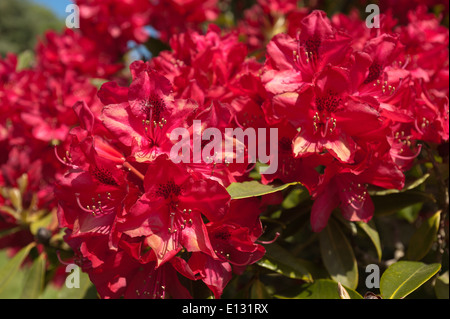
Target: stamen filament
[[133, 170]]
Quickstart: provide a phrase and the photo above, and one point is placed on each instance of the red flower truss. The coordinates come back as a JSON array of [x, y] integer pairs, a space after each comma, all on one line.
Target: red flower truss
[[352, 108]]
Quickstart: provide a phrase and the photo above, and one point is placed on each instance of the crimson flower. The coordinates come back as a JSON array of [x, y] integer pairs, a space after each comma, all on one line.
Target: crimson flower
[[113, 23], [233, 239], [142, 116], [168, 217], [175, 16], [329, 117], [346, 187]]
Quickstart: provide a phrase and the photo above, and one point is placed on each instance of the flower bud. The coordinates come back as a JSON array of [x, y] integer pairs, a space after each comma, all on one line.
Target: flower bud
[[343, 294], [22, 182], [16, 198], [43, 236]]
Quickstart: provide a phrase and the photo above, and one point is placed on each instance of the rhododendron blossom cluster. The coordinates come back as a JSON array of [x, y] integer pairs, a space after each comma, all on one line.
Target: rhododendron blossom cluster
[[351, 108]]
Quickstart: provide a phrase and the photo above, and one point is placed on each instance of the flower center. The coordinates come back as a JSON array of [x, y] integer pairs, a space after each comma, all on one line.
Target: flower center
[[325, 125], [98, 206], [329, 102], [354, 195], [104, 176], [374, 72], [153, 108], [168, 190], [154, 122], [222, 235], [286, 144], [221, 243], [312, 46]]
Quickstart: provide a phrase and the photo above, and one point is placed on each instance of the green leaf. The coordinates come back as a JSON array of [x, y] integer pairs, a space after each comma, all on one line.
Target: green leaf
[[294, 198], [393, 203], [254, 174], [254, 189], [97, 82], [319, 289], [283, 262], [156, 46], [410, 213], [25, 60], [371, 231], [9, 231], [86, 290], [337, 256], [441, 287], [403, 277], [34, 282], [10, 269], [408, 186], [423, 238], [13, 288], [77, 293]]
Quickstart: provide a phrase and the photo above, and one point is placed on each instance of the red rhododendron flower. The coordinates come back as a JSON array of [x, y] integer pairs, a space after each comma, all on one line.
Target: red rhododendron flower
[[73, 51], [112, 23], [233, 239], [144, 119], [143, 203], [169, 215], [93, 172], [205, 67], [346, 187], [174, 16]]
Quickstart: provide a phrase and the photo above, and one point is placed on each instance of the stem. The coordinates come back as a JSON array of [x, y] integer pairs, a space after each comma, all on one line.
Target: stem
[[133, 170], [443, 202]]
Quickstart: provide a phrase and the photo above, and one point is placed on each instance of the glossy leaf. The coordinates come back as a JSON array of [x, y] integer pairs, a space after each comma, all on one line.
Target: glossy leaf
[[337, 256], [11, 268], [404, 277], [283, 262], [13, 288], [34, 281], [371, 231], [86, 290], [254, 189], [409, 186], [410, 213], [294, 198], [424, 237], [441, 287], [393, 203], [77, 293], [319, 289]]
